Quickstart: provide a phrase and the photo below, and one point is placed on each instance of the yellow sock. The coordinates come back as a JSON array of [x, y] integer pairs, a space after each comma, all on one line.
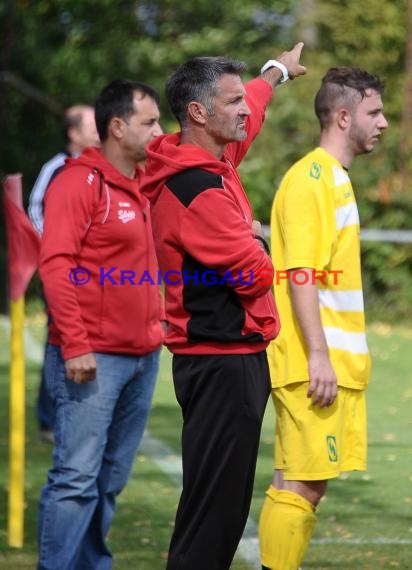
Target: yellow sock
[[286, 525]]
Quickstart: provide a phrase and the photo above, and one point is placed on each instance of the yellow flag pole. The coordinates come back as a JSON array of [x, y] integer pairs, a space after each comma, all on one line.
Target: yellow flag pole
[[23, 249], [17, 425]]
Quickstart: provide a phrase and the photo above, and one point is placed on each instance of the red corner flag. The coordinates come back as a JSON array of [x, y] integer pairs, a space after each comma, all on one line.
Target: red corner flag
[[23, 247], [23, 242]]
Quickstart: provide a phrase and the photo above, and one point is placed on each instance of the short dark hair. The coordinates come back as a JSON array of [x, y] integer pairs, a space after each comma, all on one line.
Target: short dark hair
[[342, 86], [72, 119], [196, 80], [116, 100]]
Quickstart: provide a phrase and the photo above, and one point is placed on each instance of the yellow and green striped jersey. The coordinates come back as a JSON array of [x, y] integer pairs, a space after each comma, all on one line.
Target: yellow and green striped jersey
[[315, 224]]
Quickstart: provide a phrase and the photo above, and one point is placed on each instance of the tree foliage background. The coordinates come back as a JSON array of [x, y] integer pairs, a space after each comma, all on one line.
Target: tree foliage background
[[59, 52]]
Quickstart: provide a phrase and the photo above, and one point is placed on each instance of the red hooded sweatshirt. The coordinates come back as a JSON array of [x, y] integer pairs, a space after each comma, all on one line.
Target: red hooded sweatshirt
[[217, 276], [96, 218]]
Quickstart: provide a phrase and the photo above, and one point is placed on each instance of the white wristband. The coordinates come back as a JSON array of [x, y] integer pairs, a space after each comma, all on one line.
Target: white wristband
[[279, 65]]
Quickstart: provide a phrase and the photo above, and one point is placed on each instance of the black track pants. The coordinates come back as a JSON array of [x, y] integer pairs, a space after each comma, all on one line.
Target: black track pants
[[223, 399]]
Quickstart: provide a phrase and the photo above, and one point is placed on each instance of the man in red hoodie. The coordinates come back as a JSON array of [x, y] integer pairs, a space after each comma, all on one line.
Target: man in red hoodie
[[219, 306], [105, 330]]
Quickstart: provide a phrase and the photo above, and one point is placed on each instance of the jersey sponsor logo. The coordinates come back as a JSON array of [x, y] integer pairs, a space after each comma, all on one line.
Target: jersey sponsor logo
[[124, 204], [126, 216], [332, 448], [315, 170]]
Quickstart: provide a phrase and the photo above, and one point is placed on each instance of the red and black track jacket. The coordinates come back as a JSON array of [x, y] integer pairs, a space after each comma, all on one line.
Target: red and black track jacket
[[96, 218], [202, 224]]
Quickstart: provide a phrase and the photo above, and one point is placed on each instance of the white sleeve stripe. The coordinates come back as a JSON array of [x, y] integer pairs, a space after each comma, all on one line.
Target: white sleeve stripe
[[348, 341], [35, 209], [347, 216], [341, 300]]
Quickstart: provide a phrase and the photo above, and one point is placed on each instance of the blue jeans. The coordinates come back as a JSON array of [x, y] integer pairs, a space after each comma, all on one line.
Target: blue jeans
[[98, 429], [45, 405]]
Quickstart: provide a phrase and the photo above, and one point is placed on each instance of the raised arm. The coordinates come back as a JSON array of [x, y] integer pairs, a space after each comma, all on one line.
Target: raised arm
[[285, 66]]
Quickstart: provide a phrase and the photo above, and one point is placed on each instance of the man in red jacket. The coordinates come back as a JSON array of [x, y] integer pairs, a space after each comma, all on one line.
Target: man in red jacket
[[220, 311], [105, 331]]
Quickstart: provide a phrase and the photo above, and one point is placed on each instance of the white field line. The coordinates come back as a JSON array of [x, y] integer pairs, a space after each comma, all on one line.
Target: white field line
[[170, 463]]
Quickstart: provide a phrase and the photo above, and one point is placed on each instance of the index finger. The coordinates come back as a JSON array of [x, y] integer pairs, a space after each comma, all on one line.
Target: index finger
[[298, 48]]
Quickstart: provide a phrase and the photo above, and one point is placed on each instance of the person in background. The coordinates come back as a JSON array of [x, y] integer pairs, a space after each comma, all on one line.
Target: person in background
[[105, 332], [79, 131], [319, 363], [217, 331]]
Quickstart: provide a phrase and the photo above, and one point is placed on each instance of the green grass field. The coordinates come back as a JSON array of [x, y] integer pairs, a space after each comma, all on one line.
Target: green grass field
[[365, 523]]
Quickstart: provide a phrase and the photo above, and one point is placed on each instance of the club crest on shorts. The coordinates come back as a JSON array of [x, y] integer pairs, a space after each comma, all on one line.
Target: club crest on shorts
[[332, 448]]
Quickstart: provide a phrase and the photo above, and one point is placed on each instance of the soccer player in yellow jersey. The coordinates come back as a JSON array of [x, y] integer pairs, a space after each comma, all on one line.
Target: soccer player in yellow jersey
[[319, 363]]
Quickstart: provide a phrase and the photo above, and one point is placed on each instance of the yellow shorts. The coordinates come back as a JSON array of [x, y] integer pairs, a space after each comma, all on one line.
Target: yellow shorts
[[312, 443]]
